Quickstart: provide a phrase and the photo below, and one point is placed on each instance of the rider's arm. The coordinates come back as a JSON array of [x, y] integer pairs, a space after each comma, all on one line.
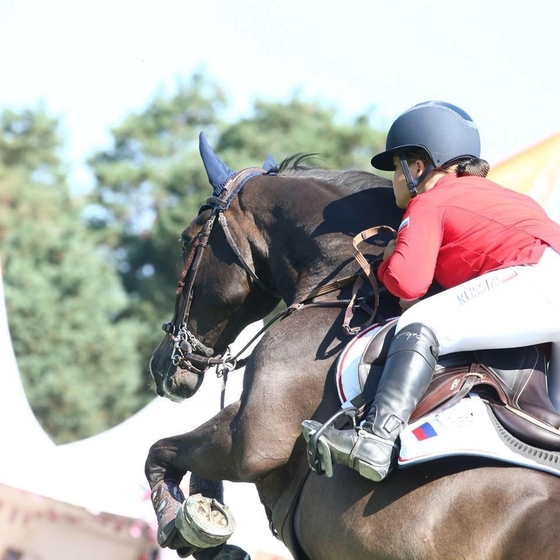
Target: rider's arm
[[409, 271]]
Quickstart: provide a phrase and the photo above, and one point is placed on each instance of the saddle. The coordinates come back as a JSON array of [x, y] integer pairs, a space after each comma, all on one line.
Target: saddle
[[512, 381]]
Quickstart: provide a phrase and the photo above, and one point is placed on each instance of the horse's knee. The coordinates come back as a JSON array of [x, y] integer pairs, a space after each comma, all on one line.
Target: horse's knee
[[158, 452], [152, 464], [160, 462]]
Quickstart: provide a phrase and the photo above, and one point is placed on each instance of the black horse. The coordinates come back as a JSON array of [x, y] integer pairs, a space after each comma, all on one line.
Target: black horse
[[288, 236]]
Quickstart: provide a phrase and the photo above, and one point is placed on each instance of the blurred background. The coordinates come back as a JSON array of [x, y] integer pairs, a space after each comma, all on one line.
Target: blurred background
[[101, 105]]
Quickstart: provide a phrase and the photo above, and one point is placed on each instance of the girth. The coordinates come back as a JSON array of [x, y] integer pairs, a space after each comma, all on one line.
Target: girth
[[512, 381]]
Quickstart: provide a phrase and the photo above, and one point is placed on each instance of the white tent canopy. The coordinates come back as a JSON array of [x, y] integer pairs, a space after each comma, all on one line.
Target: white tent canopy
[[104, 474], [43, 512]]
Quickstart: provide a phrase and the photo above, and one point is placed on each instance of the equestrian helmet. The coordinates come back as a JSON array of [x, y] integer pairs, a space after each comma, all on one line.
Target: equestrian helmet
[[443, 130]]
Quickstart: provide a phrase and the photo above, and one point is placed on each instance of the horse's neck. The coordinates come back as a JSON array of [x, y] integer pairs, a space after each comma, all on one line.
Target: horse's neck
[[309, 266], [305, 252]]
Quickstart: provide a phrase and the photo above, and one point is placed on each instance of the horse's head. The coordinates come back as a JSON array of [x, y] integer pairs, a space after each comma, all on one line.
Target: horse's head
[[219, 292]]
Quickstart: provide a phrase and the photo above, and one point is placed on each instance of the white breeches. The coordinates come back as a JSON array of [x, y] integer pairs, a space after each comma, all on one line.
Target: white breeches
[[507, 308]]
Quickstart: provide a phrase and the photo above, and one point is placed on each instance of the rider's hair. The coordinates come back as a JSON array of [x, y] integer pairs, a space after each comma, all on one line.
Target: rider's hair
[[471, 166], [465, 167]]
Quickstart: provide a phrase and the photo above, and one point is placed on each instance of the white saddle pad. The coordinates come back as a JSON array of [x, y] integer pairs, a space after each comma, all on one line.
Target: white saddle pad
[[467, 428]]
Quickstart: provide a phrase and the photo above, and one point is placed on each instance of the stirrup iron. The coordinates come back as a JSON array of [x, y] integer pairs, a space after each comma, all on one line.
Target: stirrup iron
[[318, 452]]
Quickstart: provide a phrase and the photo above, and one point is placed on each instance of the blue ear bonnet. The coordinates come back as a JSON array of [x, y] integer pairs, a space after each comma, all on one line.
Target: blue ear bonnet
[[218, 172], [269, 163]]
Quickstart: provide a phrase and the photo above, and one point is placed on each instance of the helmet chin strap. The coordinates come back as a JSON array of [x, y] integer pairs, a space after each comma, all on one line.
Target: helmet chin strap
[[412, 183]]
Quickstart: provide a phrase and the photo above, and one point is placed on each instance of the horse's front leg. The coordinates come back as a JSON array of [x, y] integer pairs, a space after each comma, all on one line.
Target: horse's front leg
[[206, 452]]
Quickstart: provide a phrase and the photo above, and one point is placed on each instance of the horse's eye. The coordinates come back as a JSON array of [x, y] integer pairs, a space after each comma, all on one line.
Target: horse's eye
[[185, 245]]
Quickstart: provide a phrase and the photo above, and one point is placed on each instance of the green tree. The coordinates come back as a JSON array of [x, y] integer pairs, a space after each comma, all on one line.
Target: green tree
[[298, 126], [77, 360], [28, 143]]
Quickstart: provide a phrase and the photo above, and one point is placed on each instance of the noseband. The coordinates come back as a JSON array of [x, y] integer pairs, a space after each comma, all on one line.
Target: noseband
[[187, 349]]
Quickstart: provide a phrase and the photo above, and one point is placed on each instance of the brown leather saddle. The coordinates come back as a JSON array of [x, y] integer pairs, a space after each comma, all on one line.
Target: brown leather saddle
[[512, 381]]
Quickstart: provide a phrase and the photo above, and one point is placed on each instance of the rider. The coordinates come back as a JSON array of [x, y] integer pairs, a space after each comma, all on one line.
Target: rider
[[494, 251]]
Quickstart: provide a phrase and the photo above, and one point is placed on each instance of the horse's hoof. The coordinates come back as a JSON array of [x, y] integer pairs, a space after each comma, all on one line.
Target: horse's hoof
[[185, 552], [226, 552], [232, 552], [204, 522], [318, 451]]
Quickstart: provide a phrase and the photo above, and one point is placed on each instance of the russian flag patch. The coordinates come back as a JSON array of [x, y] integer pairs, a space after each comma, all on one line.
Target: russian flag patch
[[424, 431], [404, 224]]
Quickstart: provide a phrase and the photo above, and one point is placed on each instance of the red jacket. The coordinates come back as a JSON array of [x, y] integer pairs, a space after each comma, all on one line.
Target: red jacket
[[462, 228]]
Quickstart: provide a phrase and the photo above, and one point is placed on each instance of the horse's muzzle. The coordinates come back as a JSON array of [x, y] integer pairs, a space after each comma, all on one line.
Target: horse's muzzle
[[175, 377]]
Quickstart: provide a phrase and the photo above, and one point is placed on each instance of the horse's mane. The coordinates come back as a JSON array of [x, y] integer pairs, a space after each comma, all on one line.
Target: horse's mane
[[294, 166]]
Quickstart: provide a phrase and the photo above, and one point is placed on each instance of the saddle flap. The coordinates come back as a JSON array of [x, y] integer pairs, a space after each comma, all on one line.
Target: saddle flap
[[378, 347]]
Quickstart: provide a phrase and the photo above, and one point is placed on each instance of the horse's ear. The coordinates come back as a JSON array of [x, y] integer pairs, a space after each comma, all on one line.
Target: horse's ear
[[269, 163], [218, 172]]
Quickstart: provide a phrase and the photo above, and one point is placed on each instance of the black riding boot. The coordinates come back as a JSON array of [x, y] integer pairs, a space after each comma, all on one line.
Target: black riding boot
[[371, 448]]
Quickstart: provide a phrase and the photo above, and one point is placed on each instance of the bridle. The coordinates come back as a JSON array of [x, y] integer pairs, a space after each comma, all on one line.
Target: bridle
[[189, 352]]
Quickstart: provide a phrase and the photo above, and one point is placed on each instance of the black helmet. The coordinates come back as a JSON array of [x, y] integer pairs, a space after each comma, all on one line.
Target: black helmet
[[443, 130]]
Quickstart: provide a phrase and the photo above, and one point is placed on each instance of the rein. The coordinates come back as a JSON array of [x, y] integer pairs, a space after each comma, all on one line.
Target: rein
[[188, 350], [369, 275]]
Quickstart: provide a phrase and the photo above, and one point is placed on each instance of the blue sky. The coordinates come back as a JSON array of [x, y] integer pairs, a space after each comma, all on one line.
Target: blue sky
[[94, 62]]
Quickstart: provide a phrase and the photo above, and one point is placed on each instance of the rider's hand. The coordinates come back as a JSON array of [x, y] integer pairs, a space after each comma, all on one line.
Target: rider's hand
[[388, 251], [407, 303]]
